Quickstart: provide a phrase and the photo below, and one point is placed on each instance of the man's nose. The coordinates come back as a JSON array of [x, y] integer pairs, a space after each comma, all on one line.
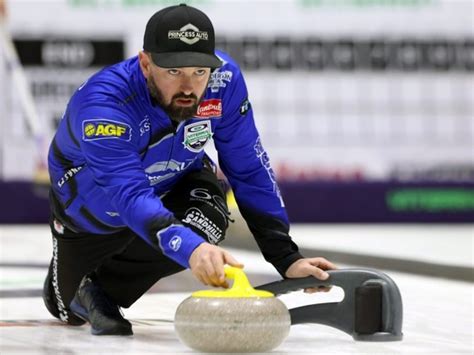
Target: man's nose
[[187, 86]]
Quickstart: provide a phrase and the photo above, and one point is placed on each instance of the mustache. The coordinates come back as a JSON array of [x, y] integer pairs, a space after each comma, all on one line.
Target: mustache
[[184, 96]]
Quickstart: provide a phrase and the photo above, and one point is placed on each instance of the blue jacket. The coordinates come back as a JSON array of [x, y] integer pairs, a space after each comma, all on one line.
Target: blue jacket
[[115, 153]]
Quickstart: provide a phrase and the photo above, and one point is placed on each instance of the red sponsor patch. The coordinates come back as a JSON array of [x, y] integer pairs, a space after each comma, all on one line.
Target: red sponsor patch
[[209, 108]]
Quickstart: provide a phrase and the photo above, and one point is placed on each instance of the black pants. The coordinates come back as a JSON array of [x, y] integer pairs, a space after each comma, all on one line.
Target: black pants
[[124, 264]]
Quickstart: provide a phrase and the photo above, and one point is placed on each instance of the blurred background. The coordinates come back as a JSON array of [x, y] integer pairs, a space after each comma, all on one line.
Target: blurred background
[[365, 107]]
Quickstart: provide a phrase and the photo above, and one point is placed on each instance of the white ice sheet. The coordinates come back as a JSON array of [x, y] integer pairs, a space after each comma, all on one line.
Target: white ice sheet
[[438, 316]]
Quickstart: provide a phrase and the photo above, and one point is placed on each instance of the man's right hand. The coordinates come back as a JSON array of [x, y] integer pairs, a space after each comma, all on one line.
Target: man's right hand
[[207, 264]]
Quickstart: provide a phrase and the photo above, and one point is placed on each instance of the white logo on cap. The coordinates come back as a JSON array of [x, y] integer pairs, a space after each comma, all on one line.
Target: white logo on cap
[[189, 34]]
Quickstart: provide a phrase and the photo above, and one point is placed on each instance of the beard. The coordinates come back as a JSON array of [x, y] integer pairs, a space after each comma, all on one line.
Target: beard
[[175, 112]]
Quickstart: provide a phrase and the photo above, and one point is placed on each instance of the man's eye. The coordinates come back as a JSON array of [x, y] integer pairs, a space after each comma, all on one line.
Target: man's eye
[[200, 72], [173, 71]]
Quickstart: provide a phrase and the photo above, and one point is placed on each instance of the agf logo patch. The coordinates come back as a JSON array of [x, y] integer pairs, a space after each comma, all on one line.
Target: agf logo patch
[[105, 129]]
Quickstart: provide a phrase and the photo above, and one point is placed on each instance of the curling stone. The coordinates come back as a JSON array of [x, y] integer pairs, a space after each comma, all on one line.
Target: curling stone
[[240, 319]]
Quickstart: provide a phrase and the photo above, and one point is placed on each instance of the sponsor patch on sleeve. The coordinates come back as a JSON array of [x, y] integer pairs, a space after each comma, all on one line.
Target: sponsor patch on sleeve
[[105, 129], [245, 107], [219, 79], [209, 109]]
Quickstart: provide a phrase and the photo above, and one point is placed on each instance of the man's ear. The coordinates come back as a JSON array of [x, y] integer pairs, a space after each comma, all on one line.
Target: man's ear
[[145, 63]]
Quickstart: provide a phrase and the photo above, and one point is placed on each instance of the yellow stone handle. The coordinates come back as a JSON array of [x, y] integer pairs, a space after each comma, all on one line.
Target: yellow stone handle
[[240, 289], [241, 282]]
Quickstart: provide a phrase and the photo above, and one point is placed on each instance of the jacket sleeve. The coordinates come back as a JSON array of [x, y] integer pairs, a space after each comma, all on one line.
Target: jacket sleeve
[[245, 163], [109, 143]]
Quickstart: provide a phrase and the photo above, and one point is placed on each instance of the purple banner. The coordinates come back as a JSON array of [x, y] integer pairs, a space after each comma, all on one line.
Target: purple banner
[[379, 202], [307, 202]]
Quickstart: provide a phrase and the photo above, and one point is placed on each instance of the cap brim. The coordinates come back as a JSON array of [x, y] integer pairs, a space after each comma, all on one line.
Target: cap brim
[[186, 59]]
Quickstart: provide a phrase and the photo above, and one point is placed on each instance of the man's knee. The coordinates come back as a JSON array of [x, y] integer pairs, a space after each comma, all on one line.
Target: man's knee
[[207, 215]]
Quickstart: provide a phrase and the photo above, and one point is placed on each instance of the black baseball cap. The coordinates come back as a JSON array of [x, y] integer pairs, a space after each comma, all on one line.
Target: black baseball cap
[[181, 36]]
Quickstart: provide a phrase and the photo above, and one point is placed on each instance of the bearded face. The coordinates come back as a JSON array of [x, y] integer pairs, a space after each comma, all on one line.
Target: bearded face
[[180, 108], [178, 91]]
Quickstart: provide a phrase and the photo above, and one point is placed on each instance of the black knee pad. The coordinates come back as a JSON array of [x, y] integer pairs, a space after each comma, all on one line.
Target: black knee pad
[[207, 214], [198, 200]]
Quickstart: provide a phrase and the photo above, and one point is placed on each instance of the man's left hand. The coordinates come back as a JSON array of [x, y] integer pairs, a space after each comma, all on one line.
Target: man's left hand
[[311, 267]]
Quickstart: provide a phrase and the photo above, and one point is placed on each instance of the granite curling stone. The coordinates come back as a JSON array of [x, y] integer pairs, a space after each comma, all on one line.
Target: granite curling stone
[[240, 319]]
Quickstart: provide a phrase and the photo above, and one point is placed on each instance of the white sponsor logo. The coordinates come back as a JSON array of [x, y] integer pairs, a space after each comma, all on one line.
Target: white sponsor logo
[[145, 126], [188, 34], [175, 243], [196, 218], [172, 166], [68, 175], [244, 107], [219, 80], [201, 193]]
